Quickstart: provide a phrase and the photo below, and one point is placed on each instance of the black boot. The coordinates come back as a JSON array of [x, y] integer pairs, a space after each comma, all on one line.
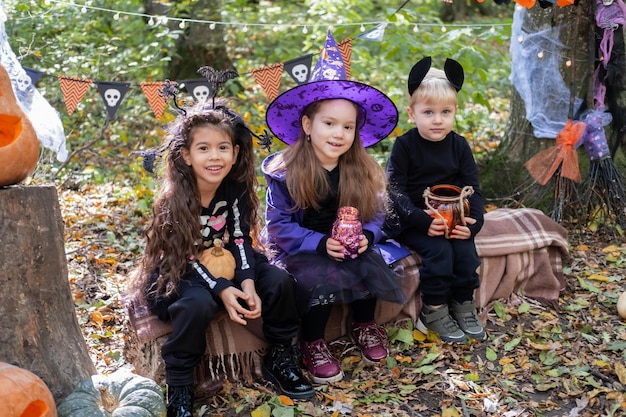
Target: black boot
[[180, 401], [280, 366]]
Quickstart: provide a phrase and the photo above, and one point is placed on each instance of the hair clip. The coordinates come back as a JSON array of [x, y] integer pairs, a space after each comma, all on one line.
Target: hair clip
[[216, 79], [452, 69]]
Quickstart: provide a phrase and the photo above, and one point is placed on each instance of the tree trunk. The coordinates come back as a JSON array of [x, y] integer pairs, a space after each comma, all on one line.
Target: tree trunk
[[38, 326], [200, 44], [504, 177]]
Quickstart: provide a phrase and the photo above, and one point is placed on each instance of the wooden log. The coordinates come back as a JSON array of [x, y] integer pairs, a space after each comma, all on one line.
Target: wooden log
[[39, 330]]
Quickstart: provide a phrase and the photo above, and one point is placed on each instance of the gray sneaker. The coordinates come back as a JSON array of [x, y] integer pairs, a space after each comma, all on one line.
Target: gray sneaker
[[439, 321], [467, 318]]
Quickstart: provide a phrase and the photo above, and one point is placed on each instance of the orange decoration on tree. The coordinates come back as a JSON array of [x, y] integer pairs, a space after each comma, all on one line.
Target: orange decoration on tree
[[545, 163]]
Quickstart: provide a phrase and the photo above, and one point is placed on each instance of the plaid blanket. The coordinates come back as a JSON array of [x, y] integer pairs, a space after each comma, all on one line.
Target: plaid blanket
[[521, 252]]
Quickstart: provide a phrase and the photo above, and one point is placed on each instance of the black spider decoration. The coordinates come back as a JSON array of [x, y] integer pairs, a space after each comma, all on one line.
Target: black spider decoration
[[264, 140], [170, 91]]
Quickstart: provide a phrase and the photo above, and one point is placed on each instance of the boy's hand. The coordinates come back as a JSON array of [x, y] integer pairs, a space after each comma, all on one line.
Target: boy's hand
[[437, 228], [462, 232]]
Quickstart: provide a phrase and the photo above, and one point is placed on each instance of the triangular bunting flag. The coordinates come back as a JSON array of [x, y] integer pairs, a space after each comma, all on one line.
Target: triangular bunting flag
[[152, 92], [375, 34], [269, 78], [34, 74], [345, 47], [73, 89], [299, 68], [112, 94], [199, 88]]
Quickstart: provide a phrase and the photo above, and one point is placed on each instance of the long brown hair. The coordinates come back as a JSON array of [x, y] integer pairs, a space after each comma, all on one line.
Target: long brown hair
[[174, 231], [362, 181]]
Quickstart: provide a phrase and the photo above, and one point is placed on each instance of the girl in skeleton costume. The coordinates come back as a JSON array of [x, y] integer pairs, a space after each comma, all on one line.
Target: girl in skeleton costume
[[209, 191]]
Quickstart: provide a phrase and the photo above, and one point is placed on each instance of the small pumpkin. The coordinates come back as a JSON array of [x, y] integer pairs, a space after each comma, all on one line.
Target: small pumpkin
[[24, 394], [621, 305], [219, 262], [19, 146], [121, 394]]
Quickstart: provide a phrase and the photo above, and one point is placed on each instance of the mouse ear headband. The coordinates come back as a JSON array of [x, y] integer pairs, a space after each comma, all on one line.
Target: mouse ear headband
[[452, 69]]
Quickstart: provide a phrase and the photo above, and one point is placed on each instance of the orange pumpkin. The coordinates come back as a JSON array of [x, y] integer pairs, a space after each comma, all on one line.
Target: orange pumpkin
[[24, 394], [19, 147], [219, 262]]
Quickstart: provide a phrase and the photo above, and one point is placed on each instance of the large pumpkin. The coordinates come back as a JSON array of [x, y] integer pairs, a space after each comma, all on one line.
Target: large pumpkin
[[121, 394], [19, 147], [24, 394]]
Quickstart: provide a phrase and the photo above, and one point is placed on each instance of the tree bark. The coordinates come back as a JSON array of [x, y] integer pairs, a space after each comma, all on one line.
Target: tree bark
[[198, 45], [39, 330], [504, 177]]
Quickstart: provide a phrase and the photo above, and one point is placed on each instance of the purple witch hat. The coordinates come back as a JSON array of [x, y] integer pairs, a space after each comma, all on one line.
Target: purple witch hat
[[378, 115]]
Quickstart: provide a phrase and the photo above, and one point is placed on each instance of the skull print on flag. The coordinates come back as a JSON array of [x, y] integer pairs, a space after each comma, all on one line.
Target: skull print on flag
[[199, 89], [33, 74], [112, 93], [300, 68]]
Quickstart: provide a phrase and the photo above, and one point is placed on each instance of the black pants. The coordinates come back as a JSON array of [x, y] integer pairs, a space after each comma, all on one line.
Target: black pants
[[194, 307], [449, 267]]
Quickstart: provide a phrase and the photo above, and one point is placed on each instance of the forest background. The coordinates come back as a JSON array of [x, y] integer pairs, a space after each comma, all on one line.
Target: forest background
[[106, 195]]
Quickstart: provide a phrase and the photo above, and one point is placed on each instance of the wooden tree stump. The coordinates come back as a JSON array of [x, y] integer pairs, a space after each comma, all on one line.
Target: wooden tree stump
[[39, 330]]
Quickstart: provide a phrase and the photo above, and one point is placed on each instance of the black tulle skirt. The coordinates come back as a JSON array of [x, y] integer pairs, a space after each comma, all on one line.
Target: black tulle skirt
[[321, 280]]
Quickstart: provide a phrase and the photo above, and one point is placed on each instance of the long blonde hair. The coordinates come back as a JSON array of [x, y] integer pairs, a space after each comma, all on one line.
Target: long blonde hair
[[362, 181]]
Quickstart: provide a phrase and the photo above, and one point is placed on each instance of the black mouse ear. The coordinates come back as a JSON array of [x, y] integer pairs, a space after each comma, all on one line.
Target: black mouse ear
[[418, 72], [454, 73]]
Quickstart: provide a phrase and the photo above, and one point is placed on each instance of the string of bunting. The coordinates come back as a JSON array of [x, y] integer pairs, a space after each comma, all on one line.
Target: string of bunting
[[268, 77], [112, 93]]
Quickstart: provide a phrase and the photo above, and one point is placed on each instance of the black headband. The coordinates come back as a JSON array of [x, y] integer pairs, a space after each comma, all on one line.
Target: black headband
[[452, 69]]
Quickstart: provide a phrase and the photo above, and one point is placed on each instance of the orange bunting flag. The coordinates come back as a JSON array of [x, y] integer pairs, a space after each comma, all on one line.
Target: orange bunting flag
[[73, 89], [269, 79], [545, 163], [152, 92], [345, 47]]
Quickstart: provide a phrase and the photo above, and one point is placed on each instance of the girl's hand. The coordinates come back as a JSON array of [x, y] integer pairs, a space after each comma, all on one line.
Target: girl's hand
[[334, 248], [231, 296], [254, 301], [363, 244]]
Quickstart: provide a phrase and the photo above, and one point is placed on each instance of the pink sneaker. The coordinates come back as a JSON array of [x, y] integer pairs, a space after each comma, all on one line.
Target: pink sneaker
[[372, 340], [322, 366]]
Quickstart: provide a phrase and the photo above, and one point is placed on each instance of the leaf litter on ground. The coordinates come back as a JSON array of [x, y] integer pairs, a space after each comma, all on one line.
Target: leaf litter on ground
[[539, 360]]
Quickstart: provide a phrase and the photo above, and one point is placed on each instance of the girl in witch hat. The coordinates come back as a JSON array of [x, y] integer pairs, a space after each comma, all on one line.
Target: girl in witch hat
[[327, 122]]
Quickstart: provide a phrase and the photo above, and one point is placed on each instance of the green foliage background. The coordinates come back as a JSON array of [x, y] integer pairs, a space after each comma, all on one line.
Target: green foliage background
[[62, 39]]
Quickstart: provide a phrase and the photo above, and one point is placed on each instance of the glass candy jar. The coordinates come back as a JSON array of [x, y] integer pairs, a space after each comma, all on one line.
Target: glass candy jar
[[449, 203], [348, 230]]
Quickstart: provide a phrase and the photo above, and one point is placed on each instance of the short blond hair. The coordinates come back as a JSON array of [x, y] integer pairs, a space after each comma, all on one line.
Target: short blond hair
[[434, 87]]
